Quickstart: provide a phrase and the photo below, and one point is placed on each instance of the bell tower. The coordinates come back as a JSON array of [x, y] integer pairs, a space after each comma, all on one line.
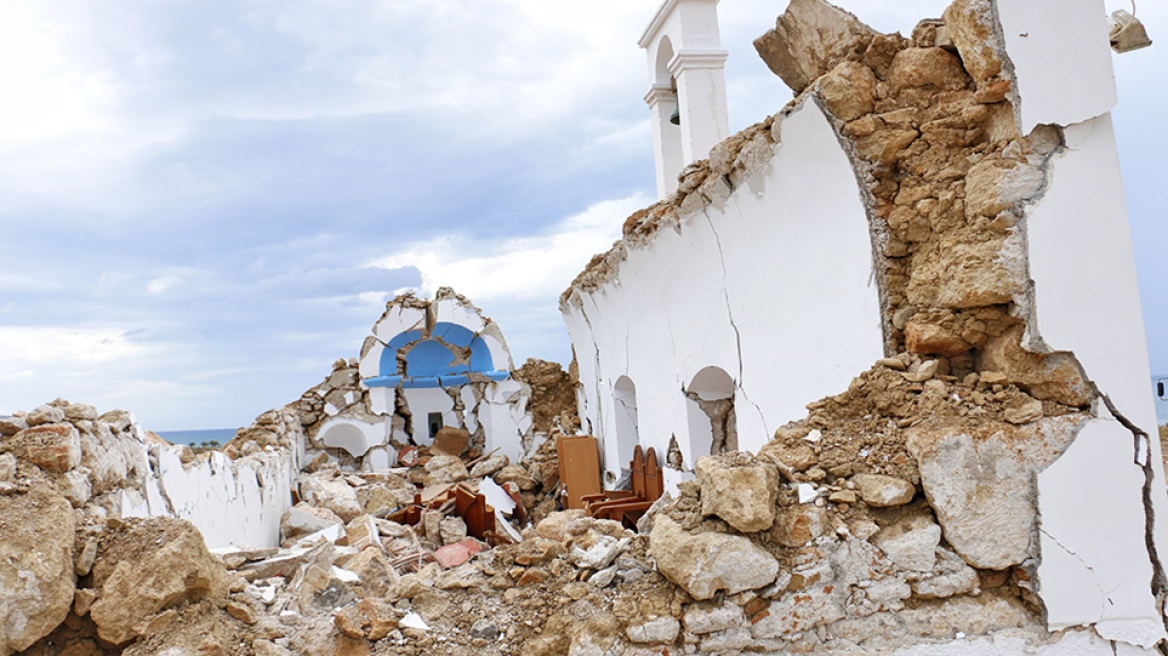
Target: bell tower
[[687, 89]]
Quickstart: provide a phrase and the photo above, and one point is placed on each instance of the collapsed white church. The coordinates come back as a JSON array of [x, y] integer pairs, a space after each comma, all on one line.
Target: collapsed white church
[[947, 207]]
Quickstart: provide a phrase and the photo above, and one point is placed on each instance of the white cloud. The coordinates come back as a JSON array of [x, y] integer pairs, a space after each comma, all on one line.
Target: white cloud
[[62, 349], [520, 268]]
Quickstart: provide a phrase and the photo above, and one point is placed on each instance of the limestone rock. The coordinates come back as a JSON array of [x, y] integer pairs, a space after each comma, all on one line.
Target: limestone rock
[[981, 485], [738, 489], [380, 498], [515, 474], [334, 494], [445, 469], [36, 565], [658, 631], [994, 185], [490, 465], [708, 617], [377, 575], [922, 67], [1051, 377], [911, 542], [45, 414], [808, 39], [964, 271], [951, 578], [882, 491], [931, 339], [12, 425], [848, 90], [52, 447], [371, 619], [970, 24], [708, 562], [147, 566], [795, 526], [1025, 413], [799, 612], [80, 412]]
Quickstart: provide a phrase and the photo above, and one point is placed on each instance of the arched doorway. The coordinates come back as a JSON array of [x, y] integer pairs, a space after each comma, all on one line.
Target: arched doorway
[[710, 413]]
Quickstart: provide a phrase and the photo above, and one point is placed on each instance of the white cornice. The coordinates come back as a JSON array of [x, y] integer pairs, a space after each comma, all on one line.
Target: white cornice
[[657, 93], [687, 59]]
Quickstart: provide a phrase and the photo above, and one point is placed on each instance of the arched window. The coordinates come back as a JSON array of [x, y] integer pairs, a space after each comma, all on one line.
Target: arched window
[[710, 413], [624, 407]]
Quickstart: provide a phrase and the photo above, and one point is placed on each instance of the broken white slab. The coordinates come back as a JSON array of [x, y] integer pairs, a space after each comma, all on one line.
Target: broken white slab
[[1095, 569], [1061, 59], [413, 620]]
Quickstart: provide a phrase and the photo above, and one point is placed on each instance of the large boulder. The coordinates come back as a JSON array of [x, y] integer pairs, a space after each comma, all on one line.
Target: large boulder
[[705, 563], [334, 494], [144, 566], [808, 40], [52, 447], [36, 565], [739, 489], [981, 484]]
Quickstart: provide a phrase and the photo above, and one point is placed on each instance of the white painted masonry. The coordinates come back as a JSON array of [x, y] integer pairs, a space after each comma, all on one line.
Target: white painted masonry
[[718, 290]]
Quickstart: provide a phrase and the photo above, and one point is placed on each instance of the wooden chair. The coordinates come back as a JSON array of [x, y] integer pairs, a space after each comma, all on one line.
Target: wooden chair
[[627, 506]]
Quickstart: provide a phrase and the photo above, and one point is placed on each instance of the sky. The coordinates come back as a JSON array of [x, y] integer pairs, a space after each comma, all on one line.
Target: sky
[[203, 203]]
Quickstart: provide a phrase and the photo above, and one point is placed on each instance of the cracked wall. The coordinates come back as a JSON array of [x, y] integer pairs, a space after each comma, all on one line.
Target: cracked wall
[[428, 364], [989, 254]]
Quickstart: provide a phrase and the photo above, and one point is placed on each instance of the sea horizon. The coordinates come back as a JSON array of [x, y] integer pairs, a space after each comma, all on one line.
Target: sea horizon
[[196, 437]]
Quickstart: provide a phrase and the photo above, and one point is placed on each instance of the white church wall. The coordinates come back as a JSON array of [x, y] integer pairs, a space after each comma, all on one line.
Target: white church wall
[[773, 287]]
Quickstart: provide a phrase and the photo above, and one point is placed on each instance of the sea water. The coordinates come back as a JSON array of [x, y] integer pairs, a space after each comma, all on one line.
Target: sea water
[[197, 437]]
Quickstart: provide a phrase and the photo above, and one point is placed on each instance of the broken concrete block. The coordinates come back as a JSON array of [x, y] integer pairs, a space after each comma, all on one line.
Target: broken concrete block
[[808, 39], [36, 574], [882, 491], [739, 489], [708, 562]]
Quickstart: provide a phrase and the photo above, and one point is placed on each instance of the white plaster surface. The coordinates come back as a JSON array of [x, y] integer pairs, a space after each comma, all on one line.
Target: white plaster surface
[[1061, 57], [452, 311], [352, 435], [1086, 297], [424, 400], [370, 365], [1095, 568], [782, 272], [1081, 261], [398, 320]]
